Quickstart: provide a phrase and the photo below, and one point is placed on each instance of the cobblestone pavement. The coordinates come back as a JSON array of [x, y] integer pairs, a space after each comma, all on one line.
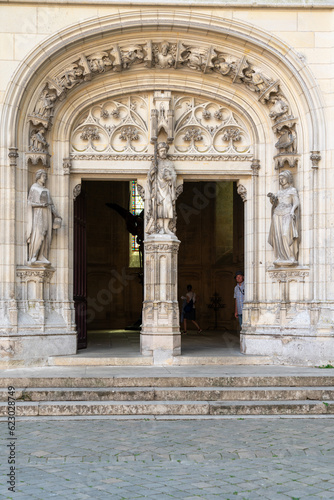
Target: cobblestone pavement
[[183, 459]]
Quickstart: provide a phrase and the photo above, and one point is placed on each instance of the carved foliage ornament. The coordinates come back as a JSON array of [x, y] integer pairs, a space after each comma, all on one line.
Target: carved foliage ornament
[[166, 55]]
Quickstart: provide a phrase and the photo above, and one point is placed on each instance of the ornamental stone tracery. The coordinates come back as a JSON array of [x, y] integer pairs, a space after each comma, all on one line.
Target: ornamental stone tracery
[[118, 130], [167, 55]]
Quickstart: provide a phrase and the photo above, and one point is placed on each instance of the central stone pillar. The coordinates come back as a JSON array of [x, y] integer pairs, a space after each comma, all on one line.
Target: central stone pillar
[[160, 334]]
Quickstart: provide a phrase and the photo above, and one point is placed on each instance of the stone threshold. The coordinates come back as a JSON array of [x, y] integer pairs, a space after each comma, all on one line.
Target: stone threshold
[[237, 359]]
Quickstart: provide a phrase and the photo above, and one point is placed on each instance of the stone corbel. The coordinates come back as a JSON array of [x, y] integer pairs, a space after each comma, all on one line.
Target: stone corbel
[[255, 166], [76, 191], [315, 157], [179, 188], [141, 191], [242, 191], [67, 165], [13, 155]]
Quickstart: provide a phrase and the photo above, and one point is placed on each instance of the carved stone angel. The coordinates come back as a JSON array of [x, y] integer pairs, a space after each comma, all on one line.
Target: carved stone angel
[[284, 234], [162, 194]]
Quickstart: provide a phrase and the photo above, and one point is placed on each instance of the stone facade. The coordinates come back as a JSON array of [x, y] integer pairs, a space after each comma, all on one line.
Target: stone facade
[[239, 93]]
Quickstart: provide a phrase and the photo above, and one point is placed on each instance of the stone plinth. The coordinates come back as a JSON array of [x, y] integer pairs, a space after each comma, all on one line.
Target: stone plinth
[[160, 334], [40, 326]]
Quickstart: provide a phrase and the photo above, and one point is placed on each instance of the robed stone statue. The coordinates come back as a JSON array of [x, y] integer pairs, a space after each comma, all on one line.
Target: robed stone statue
[[42, 218], [284, 234], [162, 194]]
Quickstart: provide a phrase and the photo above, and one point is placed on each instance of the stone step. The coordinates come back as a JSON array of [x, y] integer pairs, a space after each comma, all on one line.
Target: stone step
[[172, 394], [225, 360], [170, 381], [165, 408]]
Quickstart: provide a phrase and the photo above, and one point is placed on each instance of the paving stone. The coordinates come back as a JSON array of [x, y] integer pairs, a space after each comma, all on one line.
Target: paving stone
[[173, 459]]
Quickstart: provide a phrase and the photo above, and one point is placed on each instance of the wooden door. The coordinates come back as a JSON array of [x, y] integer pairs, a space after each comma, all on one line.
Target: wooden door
[[80, 270]]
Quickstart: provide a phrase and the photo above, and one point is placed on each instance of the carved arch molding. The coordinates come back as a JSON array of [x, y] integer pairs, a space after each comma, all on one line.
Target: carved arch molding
[[169, 56]]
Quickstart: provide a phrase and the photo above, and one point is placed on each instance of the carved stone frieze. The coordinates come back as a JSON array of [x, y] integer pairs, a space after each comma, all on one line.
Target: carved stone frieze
[[285, 275], [162, 247], [39, 275], [149, 157], [169, 55]]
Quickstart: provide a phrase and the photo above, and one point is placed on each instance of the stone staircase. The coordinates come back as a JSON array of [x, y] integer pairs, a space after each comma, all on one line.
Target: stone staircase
[[165, 396]]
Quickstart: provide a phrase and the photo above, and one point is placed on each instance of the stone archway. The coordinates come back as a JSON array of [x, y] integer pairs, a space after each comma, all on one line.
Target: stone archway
[[265, 86]]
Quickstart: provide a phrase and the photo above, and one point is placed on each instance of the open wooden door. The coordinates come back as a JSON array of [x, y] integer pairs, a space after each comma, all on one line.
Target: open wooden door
[[80, 271]]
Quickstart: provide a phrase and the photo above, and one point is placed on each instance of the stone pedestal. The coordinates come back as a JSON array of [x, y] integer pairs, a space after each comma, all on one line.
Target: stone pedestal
[[160, 333], [39, 326]]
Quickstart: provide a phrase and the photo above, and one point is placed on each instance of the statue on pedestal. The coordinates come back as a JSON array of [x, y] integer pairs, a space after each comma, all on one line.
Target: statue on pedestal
[[42, 218], [284, 234], [162, 194]]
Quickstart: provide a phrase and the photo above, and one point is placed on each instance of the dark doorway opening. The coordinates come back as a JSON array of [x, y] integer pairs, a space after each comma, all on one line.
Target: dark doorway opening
[[111, 269], [210, 225]]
